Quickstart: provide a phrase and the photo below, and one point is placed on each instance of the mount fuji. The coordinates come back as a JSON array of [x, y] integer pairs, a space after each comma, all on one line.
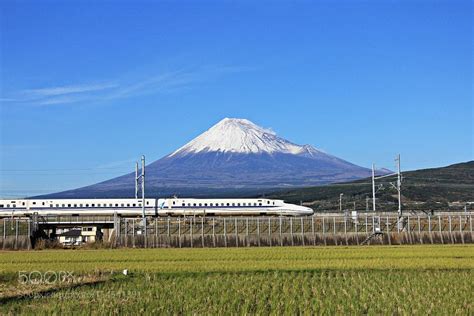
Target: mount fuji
[[234, 157]]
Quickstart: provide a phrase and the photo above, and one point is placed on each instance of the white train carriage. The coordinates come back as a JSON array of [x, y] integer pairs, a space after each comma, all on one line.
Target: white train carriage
[[125, 207], [153, 207], [219, 207]]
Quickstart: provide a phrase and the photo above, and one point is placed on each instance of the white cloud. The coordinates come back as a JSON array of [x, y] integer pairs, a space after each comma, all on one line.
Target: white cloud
[[154, 84], [118, 164], [167, 82], [54, 91], [59, 100]]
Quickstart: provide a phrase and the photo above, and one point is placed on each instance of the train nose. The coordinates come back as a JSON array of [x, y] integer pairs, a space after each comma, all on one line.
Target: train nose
[[306, 210]]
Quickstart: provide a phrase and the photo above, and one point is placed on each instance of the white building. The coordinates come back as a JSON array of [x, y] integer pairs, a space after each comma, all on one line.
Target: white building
[[79, 235]]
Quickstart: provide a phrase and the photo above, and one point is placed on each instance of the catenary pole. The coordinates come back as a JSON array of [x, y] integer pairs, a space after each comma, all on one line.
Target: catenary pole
[[340, 202], [373, 187], [136, 180], [399, 187], [143, 193]]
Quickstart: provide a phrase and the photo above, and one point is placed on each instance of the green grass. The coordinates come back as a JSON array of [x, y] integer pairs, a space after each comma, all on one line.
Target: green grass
[[327, 280]]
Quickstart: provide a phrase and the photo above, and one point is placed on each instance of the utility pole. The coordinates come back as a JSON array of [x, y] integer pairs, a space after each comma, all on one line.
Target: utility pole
[[373, 187], [141, 178], [399, 186], [143, 193], [136, 180], [340, 202]]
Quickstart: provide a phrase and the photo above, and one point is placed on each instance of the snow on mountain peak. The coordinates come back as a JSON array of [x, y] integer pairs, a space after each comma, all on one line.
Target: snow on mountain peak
[[234, 135]]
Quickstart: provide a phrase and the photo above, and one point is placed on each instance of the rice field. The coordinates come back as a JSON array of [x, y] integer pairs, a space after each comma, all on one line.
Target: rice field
[[371, 280]]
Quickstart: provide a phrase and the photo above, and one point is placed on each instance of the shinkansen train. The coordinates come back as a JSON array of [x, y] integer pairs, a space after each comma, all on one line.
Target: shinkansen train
[[153, 207]]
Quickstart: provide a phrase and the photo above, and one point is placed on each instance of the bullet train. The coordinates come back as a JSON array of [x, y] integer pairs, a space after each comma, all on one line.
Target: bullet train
[[153, 207]]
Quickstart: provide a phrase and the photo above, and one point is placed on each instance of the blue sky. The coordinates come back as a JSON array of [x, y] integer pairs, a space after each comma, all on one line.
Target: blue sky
[[89, 86]]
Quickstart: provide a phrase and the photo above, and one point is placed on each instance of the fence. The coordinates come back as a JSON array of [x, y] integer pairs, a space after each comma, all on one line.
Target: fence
[[15, 233], [289, 231], [260, 231]]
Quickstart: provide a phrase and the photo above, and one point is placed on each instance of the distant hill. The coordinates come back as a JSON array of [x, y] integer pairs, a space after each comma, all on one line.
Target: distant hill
[[426, 189]]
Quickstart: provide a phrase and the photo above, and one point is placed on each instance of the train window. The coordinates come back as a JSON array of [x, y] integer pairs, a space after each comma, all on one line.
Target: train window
[[228, 204], [200, 204], [8, 205], [93, 205], [238, 204], [243, 204], [75, 205], [254, 204], [205, 204], [1, 205], [189, 204], [87, 205], [134, 204], [116, 204], [233, 204], [210, 204], [122, 204], [34, 203], [128, 204], [57, 205], [80, 205], [194, 204], [63, 205], [174, 202], [50, 205], [184, 204], [43, 203], [147, 202], [273, 202], [268, 202], [260, 204], [23, 203], [69, 205]]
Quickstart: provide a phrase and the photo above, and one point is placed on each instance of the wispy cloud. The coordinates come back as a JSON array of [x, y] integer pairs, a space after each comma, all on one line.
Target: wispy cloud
[[9, 100], [60, 94], [165, 82], [156, 84], [118, 164], [54, 91], [63, 99]]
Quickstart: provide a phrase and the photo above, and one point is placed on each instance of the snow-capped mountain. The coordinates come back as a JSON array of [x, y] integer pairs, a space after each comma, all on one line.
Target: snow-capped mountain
[[233, 135], [233, 157]]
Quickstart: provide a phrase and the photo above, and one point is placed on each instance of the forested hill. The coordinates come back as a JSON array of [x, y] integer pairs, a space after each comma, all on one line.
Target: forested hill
[[435, 188]]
